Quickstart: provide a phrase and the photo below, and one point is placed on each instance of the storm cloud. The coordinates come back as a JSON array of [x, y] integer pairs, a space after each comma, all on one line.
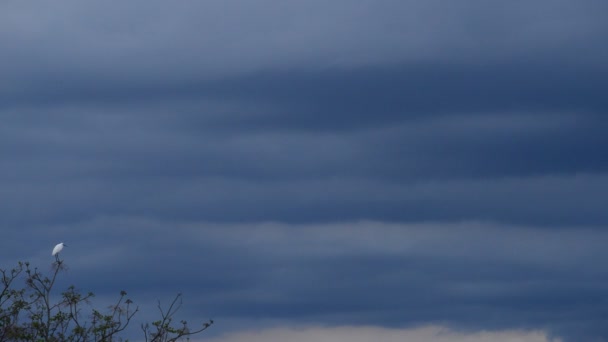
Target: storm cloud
[[387, 165]]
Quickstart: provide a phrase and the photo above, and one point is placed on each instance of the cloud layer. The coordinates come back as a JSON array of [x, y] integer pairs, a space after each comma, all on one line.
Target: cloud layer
[[355, 334], [346, 164]]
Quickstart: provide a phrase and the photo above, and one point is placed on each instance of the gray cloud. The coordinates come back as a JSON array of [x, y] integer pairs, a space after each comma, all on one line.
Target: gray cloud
[[511, 167], [141, 43], [348, 273], [347, 333], [392, 163]]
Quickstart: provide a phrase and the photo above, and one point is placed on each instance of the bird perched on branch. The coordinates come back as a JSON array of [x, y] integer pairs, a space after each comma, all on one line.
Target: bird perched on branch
[[58, 249]]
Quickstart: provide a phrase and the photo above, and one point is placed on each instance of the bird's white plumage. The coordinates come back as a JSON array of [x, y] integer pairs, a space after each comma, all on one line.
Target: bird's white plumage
[[57, 248]]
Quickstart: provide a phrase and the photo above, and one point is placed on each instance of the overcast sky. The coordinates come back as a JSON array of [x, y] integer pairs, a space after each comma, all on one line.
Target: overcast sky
[[337, 170]]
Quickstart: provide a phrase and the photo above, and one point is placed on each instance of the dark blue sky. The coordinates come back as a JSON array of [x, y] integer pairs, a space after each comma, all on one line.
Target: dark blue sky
[[395, 168]]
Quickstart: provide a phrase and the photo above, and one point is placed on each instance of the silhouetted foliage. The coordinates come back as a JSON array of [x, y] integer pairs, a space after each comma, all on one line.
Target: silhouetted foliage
[[31, 311]]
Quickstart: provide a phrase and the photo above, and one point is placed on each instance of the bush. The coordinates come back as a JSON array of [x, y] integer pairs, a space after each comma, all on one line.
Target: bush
[[29, 313]]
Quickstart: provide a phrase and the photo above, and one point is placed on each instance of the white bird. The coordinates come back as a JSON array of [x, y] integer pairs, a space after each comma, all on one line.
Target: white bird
[[58, 248]]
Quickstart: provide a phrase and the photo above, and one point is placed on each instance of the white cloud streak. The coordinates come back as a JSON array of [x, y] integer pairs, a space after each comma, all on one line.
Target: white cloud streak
[[377, 334]]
